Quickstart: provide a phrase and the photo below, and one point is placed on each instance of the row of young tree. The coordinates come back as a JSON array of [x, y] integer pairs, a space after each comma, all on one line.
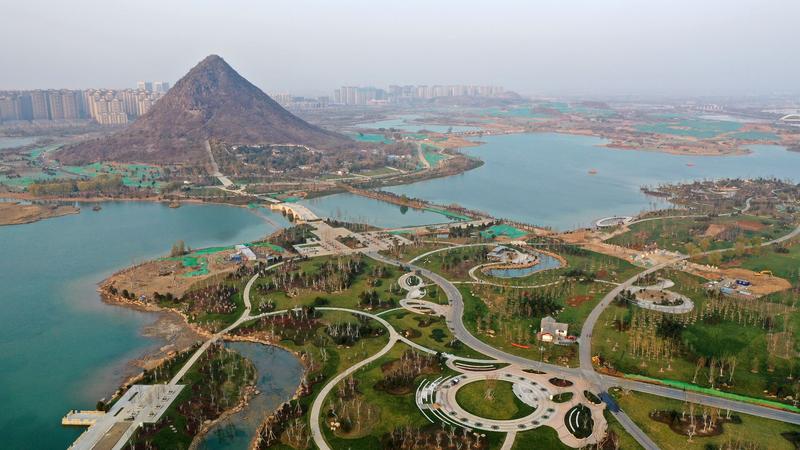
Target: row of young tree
[[333, 275], [222, 376]]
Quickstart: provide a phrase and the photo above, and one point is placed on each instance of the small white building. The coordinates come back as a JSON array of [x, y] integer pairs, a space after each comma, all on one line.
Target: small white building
[[552, 331], [246, 252]]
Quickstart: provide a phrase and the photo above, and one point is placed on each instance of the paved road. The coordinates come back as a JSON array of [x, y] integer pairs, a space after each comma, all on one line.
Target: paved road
[[316, 407], [603, 382], [587, 370], [244, 317], [456, 323]]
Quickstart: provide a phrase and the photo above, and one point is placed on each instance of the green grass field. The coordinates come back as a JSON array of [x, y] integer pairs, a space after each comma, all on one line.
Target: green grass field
[[757, 371], [763, 433], [435, 335], [694, 234], [503, 404]]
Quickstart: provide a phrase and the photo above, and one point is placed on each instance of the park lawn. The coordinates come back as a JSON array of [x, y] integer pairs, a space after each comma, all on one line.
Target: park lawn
[[454, 264], [216, 321], [394, 410], [676, 233], [504, 405], [475, 308], [763, 432], [408, 252], [435, 294], [231, 373], [435, 336], [725, 338], [626, 441], [345, 299], [339, 357], [542, 437]]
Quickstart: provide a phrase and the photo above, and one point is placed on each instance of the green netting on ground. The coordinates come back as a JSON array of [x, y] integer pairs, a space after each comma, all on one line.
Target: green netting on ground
[[447, 213], [132, 174], [708, 391], [401, 232], [502, 230], [210, 250], [372, 137], [291, 199], [274, 247]]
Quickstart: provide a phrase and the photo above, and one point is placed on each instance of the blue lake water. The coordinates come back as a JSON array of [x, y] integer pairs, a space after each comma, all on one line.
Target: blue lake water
[[279, 374], [353, 208], [543, 178], [546, 262], [60, 346]]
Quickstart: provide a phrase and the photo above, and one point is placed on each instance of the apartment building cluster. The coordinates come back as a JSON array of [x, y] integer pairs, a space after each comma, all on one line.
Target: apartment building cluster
[[359, 95], [104, 106], [290, 101]]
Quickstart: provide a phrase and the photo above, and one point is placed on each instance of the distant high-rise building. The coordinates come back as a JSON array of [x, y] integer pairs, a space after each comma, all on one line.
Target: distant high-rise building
[[9, 108], [56, 105], [282, 98], [160, 87], [39, 105], [146, 86], [351, 95], [70, 102]]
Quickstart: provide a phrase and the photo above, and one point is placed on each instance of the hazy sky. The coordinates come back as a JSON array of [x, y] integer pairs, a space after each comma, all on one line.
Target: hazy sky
[[665, 47]]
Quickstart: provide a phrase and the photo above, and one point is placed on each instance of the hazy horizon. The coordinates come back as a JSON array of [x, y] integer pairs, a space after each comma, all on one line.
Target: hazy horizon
[[625, 47]]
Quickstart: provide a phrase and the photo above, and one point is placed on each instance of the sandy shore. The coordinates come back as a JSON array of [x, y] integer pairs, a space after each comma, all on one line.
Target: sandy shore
[[15, 213]]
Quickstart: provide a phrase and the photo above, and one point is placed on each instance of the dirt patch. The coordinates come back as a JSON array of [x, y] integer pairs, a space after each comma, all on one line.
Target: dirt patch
[[168, 275], [714, 230], [14, 213], [761, 284], [578, 300], [750, 225]]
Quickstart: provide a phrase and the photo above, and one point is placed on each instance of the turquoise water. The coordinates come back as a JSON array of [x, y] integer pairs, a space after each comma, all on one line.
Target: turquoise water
[[542, 178], [404, 123], [279, 374], [698, 128], [371, 137], [60, 346], [756, 136], [526, 112], [354, 208], [546, 262]]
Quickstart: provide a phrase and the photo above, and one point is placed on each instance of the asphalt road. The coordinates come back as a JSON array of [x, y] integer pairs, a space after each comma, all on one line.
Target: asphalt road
[[601, 382]]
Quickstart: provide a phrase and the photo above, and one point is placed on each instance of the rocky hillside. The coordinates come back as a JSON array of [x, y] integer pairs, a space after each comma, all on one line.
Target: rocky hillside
[[211, 102]]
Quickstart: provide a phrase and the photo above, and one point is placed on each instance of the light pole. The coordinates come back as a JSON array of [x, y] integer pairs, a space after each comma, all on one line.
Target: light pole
[[541, 356]]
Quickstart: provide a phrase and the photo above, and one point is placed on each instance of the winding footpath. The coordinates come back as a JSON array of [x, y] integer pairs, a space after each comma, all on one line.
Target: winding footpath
[[586, 370], [456, 324]]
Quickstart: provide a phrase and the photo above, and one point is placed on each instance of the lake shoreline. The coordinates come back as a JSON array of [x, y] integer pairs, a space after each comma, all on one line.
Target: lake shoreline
[[189, 329], [16, 213]]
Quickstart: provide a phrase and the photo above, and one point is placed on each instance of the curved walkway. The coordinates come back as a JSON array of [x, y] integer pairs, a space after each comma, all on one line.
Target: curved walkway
[[316, 407], [587, 370], [452, 247], [534, 389], [478, 280]]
